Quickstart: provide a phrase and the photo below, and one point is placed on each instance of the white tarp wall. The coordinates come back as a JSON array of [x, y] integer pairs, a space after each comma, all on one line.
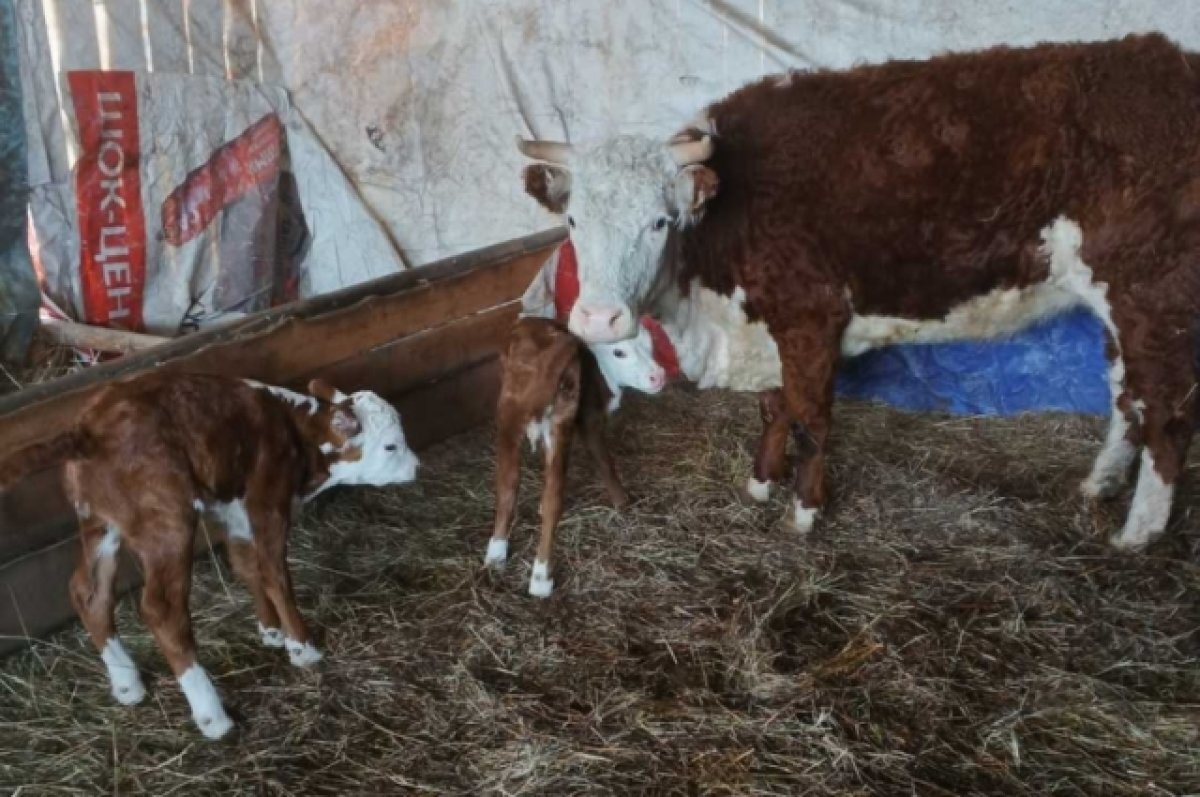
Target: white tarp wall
[[417, 102]]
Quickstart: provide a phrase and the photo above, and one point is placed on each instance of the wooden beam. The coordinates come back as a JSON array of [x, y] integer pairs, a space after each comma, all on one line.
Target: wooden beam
[[284, 344]]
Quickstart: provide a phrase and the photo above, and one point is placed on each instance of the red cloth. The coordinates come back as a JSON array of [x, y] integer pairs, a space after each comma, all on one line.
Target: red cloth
[[566, 281]]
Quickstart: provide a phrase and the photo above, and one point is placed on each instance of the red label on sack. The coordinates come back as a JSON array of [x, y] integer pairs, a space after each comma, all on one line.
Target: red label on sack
[[108, 198], [239, 166]]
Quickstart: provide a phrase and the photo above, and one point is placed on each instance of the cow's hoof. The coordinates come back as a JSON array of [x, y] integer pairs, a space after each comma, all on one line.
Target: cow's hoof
[[497, 552], [620, 501], [759, 492]]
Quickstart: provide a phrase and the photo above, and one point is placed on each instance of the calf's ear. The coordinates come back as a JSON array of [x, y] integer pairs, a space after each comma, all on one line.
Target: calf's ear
[[345, 423], [694, 186], [549, 185], [325, 392]]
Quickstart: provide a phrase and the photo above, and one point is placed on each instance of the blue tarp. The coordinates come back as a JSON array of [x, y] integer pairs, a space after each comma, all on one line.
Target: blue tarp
[[19, 296], [1058, 364]]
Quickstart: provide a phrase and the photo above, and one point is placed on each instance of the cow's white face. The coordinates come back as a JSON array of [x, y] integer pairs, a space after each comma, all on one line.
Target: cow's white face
[[621, 199], [630, 363]]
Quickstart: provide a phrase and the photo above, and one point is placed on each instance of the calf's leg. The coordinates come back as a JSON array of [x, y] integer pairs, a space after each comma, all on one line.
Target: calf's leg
[[164, 545], [541, 584], [592, 422], [244, 559], [509, 428], [94, 600], [271, 521]]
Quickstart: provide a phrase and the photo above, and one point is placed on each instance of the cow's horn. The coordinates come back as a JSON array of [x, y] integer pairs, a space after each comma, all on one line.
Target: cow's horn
[[548, 151], [687, 150]]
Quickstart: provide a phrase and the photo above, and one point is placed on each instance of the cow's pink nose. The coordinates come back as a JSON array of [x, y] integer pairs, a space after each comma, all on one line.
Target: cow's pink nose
[[602, 322], [657, 379]]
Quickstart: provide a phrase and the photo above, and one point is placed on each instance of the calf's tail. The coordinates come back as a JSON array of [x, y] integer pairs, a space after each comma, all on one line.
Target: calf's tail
[[39, 456]]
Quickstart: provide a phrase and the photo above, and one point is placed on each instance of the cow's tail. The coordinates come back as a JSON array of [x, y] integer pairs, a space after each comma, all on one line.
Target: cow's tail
[[39, 456]]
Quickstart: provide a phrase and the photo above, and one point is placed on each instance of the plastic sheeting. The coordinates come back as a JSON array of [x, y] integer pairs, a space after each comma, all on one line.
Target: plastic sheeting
[[418, 101], [18, 288]]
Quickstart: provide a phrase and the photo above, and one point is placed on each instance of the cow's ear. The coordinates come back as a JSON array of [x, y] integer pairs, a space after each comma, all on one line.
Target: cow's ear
[[549, 185], [694, 186]]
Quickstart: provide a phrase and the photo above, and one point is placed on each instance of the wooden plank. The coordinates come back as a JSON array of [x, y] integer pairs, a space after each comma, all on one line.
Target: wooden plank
[[394, 368], [34, 514], [35, 600], [284, 344]]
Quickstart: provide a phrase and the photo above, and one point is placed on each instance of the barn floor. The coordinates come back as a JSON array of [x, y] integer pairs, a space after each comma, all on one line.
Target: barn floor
[[955, 627]]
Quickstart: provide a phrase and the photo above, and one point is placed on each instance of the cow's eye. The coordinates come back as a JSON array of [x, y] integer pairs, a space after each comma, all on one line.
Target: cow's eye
[[571, 221], [390, 447], [619, 354], [660, 222]]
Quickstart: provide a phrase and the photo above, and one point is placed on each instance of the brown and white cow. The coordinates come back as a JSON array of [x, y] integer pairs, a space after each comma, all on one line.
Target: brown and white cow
[[966, 196], [149, 455]]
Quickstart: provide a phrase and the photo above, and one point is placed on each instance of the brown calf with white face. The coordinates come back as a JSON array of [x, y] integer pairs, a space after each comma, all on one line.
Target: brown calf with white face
[[148, 456], [550, 385]]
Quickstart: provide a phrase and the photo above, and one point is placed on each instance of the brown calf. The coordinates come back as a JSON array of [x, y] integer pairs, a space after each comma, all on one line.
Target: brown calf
[[550, 384], [147, 456]]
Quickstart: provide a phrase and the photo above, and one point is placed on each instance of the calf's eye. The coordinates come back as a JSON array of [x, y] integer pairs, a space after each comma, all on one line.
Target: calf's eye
[[660, 222], [619, 354], [390, 447]]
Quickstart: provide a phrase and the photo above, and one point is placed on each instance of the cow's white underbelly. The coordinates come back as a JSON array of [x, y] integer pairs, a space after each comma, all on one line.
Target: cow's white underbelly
[[993, 315], [719, 346]]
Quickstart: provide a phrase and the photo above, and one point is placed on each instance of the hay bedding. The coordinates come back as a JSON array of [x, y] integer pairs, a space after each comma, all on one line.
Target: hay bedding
[[955, 628]]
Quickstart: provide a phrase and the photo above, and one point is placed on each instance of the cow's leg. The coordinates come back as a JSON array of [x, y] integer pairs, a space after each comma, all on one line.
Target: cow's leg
[[810, 355], [770, 458], [1160, 360], [509, 428], [271, 520], [244, 558], [1110, 471], [94, 599], [592, 422], [163, 543]]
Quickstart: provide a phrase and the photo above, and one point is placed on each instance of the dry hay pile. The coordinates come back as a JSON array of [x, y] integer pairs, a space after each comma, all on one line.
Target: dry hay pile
[[956, 627]]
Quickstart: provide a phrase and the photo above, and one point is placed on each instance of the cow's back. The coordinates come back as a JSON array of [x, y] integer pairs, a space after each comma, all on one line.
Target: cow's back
[[923, 184]]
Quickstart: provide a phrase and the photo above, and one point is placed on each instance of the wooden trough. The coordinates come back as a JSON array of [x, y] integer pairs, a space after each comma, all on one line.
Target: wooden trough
[[426, 339]]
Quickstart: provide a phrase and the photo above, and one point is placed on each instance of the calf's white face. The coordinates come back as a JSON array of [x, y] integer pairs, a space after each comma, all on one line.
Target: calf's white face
[[630, 363], [383, 453], [621, 199]]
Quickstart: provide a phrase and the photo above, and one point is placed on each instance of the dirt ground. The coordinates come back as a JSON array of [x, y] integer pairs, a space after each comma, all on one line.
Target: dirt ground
[[956, 626]]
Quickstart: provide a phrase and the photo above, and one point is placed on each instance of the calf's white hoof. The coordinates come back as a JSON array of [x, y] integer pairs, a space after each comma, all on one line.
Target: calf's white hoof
[[801, 519], [1096, 488], [207, 711], [497, 552], [758, 491], [271, 637], [123, 677], [302, 654], [540, 583]]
